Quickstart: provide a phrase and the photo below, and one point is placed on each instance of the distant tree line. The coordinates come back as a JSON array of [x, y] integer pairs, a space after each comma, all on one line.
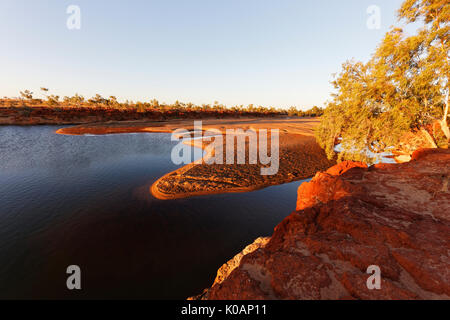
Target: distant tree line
[[99, 102], [313, 112]]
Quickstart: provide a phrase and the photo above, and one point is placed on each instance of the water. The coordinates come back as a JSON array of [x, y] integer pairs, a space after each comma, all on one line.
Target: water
[[84, 200]]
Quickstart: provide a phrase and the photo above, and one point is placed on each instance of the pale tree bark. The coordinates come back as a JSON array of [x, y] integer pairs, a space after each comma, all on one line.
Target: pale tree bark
[[443, 122], [429, 138]]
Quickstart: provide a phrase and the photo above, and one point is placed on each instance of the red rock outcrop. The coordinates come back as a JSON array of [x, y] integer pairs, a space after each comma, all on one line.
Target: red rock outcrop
[[429, 137], [395, 216]]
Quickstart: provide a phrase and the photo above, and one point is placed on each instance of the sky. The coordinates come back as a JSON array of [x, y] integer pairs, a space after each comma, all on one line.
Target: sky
[[276, 53]]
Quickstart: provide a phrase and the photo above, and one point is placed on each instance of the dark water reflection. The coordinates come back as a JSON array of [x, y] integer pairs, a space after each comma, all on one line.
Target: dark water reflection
[[84, 200]]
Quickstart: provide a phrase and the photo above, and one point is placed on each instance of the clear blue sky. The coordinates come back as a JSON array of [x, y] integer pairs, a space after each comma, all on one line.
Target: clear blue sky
[[271, 53]]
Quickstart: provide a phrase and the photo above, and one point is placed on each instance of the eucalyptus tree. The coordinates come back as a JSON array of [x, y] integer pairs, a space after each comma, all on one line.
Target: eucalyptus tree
[[403, 88]]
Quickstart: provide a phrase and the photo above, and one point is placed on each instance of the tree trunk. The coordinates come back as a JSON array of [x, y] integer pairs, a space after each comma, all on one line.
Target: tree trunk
[[429, 138], [443, 122]]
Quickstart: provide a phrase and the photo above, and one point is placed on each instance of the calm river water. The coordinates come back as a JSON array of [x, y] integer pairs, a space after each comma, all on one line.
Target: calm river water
[[84, 200]]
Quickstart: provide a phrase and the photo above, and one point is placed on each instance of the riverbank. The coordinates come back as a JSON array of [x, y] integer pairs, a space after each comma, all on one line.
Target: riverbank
[[300, 157], [303, 126], [21, 112], [350, 219]]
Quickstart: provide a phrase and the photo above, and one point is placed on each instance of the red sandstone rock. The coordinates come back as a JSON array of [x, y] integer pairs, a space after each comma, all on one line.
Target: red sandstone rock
[[344, 167], [417, 140], [395, 216]]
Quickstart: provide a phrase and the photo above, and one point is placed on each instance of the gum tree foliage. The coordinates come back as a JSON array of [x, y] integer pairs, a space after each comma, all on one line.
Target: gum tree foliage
[[27, 94], [403, 88], [52, 100]]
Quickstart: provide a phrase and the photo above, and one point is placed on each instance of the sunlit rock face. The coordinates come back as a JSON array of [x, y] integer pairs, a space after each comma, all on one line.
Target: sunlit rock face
[[394, 216], [420, 139]]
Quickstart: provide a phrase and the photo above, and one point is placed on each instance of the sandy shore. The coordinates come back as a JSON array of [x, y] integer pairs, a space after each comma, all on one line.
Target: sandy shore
[[304, 126], [300, 157]]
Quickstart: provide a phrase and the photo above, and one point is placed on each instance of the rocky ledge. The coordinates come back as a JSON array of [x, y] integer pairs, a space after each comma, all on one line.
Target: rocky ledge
[[394, 216]]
